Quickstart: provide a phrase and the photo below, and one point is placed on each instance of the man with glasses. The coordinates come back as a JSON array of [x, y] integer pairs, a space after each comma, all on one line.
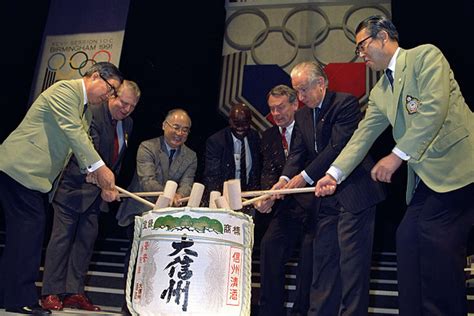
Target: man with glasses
[[31, 158], [433, 129], [344, 223], [77, 205], [159, 160]]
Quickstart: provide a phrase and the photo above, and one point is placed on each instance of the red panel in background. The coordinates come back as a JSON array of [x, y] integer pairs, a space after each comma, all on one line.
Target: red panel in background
[[343, 77], [347, 77]]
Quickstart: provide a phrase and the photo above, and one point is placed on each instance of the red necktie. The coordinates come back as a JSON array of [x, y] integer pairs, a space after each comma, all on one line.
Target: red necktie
[[283, 140], [116, 143]]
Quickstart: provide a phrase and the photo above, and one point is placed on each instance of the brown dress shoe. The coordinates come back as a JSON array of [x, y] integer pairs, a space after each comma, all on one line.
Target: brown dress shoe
[[52, 302], [79, 301]]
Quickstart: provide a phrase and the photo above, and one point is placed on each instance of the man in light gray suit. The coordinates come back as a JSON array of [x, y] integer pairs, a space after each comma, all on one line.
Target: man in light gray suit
[[159, 160], [77, 205], [31, 159], [155, 166]]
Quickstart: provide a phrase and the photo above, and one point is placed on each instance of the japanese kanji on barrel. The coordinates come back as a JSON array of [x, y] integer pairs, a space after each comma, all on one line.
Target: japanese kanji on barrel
[[191, 261]]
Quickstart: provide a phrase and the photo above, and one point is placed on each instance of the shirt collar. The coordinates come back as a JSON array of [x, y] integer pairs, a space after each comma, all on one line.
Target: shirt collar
[[168, 147], [84, 91], [393, 62], [235, 139], [289, 128]]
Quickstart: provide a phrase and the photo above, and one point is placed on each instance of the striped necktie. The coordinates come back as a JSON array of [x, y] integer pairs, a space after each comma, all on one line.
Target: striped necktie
[[284, 141]]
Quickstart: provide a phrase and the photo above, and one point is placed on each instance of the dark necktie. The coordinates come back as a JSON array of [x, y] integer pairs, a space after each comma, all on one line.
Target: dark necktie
[[284, 141], [84, 110], [389, 74], [243, 165], [116, 143], [172, 151], [316, 117]]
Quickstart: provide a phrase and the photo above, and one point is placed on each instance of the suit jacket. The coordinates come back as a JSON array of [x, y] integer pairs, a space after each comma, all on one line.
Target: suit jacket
[[273, 162], [152, 172], [339, 116], [36, 151], [73, 191], [431, 122], [220, 164]]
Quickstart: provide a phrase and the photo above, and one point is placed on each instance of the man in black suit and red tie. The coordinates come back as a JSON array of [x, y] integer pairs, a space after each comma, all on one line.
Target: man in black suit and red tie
[[343, 240], [289, 227]]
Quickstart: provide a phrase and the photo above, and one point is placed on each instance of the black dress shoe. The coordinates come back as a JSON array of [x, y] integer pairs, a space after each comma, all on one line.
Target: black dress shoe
[[30, 310]]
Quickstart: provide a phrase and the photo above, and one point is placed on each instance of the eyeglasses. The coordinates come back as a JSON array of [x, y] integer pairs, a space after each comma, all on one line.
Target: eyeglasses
[[111, 91], [177, 128], [361, 47]]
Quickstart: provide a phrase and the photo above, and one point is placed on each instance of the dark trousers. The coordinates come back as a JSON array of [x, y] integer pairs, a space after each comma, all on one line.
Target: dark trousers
[[287, 231], [431, 252], [341, 263], [25, 218], [70, 249]]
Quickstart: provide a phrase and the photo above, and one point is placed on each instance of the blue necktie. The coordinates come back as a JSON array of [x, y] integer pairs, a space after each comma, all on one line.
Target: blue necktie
[[172, 151], [316, 117], [84, 111]]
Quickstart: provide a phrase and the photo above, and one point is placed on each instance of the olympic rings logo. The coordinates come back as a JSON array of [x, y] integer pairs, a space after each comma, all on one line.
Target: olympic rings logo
[[78, 61], [290, 38]]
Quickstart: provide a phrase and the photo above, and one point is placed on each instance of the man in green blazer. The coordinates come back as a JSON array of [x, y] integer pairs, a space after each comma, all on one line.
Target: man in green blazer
[[433, 129], [31, 159]]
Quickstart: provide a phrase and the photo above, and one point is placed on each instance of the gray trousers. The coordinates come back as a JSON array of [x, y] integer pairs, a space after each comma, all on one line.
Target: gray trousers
[[70, 249]]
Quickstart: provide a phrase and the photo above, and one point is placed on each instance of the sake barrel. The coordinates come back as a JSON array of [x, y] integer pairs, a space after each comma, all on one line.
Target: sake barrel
[[191, 261]]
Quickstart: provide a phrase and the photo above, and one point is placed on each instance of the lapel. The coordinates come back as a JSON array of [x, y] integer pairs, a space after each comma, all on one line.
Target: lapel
[[102, 118], [307, 125], [163, 157], [398, 83], [278, 145], [177, 161], [229, 153]]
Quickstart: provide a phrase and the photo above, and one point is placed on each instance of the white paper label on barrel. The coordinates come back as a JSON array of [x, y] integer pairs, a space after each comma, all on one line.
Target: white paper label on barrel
[[193, 262]]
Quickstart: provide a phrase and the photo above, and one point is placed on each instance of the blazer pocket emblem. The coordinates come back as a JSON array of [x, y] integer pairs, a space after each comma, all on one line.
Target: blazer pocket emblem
[[412, 104]]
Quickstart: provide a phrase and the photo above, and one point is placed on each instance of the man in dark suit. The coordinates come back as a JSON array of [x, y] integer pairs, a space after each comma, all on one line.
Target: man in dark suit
[[223, 153], [289, 223], [345, 222], [77, 205], [31, 159], [224, 159]]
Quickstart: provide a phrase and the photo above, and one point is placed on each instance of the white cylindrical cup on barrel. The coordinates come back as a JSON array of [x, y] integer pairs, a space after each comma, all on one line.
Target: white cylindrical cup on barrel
[[196, 195], [212, 198], [234, 194], [221, 202], [170, 189], [162, 202], [225, 191]]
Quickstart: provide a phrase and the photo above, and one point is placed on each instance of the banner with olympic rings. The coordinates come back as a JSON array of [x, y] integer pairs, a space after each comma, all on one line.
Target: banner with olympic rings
[[265, 39], [76, 37]]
